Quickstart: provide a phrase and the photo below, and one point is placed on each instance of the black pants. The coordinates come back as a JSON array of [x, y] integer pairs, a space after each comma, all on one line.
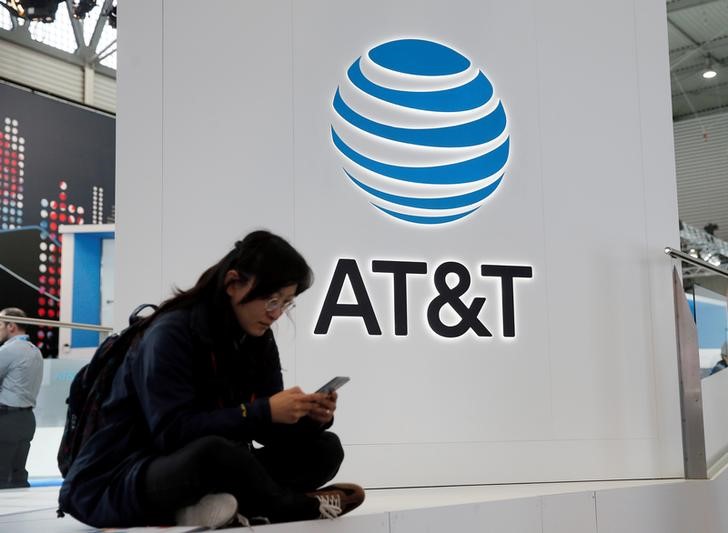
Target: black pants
[[269, 482], [16, 431]]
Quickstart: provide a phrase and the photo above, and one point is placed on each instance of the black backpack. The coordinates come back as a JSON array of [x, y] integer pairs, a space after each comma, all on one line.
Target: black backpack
[[90, 388]]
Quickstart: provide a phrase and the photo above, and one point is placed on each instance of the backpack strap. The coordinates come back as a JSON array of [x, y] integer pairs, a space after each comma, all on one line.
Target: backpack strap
[[134, 316]]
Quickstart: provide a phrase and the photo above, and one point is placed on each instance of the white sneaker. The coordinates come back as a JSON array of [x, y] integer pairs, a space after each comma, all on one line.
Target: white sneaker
[[212, 511]]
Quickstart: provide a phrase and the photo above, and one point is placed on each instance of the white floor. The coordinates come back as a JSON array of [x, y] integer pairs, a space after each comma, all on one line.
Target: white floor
[[33, 510]]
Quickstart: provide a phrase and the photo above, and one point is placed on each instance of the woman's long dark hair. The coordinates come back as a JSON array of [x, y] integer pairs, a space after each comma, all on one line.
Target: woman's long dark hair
[[269, 260]]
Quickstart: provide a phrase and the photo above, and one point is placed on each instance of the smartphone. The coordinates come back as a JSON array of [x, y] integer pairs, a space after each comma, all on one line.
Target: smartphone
[[334, 384]]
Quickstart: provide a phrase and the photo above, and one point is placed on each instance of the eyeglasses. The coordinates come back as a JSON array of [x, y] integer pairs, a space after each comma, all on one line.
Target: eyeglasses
[[274, 303]]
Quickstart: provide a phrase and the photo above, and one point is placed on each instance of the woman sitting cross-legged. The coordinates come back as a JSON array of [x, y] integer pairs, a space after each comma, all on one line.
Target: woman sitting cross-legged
[[201, 382]]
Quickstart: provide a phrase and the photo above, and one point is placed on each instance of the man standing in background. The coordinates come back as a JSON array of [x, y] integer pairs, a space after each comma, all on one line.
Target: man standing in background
[[21, 374]]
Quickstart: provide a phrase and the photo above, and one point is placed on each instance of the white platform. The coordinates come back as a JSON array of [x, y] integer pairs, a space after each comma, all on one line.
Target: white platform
[[667, 506]]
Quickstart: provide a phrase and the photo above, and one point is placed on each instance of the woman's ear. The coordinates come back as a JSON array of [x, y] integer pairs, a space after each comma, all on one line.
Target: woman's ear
[[235, 287], [231, 276]]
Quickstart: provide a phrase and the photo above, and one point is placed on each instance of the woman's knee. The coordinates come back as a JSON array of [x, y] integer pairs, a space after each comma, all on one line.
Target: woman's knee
[[210, 456], [201, 467], [210, 449], [331, 452], [202, 462]]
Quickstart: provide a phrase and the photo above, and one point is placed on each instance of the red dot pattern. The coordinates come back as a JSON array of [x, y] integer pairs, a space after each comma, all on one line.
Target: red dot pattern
[[12, 172], [54, 212]]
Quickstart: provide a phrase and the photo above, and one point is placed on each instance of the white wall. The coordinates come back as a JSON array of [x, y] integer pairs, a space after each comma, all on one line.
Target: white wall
[[42, 457], [229, 131]]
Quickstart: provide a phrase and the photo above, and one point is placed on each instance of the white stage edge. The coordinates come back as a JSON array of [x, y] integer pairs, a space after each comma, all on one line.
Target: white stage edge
[[665, 506]]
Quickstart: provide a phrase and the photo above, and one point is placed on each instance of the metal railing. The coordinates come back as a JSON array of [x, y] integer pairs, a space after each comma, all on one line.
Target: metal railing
[[105, 330], [687, 258]]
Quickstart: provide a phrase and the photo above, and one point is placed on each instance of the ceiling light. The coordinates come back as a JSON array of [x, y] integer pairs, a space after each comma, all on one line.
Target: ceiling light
[[82, 7], [40, 10], [709, 72]]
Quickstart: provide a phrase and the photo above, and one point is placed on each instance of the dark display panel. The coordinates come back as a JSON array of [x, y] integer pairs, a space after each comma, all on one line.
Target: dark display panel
[[56, 167]]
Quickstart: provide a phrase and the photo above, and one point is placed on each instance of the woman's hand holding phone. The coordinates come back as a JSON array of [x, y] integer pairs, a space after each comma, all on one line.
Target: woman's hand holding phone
[[325, 405]]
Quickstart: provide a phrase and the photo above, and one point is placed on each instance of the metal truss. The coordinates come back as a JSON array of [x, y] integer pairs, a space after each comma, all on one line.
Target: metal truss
[[702, 245], [86, 55]]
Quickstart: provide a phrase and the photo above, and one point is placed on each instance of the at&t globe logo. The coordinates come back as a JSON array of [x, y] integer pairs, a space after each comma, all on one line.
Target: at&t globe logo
[[421, 131]]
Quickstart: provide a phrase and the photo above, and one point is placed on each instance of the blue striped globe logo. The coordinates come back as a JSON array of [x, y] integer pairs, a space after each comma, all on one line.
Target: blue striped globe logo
[[421, 131]]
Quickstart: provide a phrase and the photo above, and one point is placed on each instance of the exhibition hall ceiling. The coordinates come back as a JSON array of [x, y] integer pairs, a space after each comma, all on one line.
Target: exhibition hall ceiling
[[697, 32], [698, 38]]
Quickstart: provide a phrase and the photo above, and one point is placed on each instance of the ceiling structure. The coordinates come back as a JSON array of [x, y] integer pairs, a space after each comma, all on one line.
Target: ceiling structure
[[698, 38], [697, 34], [88, 40]]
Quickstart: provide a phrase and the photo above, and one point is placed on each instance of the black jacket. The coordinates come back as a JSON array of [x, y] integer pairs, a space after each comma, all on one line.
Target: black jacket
[[185, 378]]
